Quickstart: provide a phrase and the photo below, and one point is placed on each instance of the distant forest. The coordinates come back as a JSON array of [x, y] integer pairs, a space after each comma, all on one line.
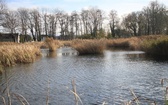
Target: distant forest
[[87, 23]]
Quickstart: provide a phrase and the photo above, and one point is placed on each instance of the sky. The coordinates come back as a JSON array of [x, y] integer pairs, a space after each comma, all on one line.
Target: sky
[[122, 7]]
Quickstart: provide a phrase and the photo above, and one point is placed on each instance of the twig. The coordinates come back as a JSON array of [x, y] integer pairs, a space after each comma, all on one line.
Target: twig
[[75, 93], [135, 97], [19, 97], [3, 99]]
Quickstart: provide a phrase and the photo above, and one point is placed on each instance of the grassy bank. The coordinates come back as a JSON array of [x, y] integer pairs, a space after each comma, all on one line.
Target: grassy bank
[[86, 47], [11, 55], [151, 44]]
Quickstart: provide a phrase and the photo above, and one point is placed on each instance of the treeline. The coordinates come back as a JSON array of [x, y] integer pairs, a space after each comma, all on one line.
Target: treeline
[[90, 23]]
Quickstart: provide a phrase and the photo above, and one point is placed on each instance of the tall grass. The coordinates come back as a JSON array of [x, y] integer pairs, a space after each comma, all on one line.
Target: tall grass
[[85, 47], [157, 46], [52, 44], [124, 43], [20, 53]]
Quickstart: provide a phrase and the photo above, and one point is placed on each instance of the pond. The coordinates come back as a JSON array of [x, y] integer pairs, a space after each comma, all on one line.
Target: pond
[[99, 79]]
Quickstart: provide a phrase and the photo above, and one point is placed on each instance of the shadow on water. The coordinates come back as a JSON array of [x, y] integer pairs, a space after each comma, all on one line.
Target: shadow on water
[[156, 58], [99, 78]]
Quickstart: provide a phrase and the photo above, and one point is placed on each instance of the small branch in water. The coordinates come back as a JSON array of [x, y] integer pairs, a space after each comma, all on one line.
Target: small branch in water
[[21, 99], [3, 99], [75, 93]]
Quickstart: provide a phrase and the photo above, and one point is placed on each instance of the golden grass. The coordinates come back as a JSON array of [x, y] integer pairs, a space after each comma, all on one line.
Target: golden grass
[[18, 53], [124, 43], [66, 43], [52, 44], [85, 47]]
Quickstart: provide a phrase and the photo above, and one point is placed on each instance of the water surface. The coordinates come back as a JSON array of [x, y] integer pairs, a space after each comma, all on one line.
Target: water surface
[[104, 78]]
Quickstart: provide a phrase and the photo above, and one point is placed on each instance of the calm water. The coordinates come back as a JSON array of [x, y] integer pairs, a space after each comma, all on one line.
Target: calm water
[[106, 78]]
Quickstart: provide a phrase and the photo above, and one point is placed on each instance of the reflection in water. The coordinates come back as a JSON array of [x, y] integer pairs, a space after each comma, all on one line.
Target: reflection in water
[[51, 54], [99, 79]]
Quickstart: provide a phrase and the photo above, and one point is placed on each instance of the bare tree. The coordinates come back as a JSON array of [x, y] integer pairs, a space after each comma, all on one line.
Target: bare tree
[[3, 10], [113, 21], [11, 21], [64, 23], [45, 17], [85, 20], [96, 20], [155, 15], [35, 24], [23, 17], [131, 22], [76, 19]]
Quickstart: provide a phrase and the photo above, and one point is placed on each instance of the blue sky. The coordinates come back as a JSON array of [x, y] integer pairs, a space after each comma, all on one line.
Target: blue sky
[[121, 6]]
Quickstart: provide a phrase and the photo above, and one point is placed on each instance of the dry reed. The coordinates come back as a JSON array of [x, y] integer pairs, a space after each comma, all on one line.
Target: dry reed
[[52, 44], [85, 47], [156, 46], [20, 53], [124, 43]]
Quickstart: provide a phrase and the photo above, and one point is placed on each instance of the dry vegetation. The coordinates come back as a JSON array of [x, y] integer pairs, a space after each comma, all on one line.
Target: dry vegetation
[[11, 54], [152, 44], [85, 47], [52, 44], [156, 46], [124, 43]]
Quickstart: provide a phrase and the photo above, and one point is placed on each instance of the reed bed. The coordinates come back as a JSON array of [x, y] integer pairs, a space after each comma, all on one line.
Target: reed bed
[[124, 43], [86, 47], [8, 43], [158, 46], [67, 43], [37, 44], [20, 53], [52, 44]]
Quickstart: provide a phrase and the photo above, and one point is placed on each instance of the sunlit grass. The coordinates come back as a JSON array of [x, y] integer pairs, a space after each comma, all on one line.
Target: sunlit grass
[[18, 53], [52, 44], [85, 47]]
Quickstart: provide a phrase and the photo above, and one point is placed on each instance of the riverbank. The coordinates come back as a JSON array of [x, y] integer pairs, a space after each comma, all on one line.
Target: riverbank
[[13, 53], [153, 45]]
